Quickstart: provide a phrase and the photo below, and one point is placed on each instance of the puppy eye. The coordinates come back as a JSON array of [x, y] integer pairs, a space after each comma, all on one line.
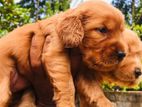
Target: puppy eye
[[102, 30]]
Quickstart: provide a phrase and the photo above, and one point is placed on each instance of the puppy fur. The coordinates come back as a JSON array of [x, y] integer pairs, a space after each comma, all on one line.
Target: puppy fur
[[96, 34], [88, 86]]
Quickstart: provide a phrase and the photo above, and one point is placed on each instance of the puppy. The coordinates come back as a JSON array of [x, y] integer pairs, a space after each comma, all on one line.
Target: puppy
[[88, 84], [126, 74], [86, 33]]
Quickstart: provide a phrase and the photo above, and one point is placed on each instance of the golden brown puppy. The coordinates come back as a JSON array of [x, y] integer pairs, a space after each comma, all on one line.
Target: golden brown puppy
[[126, 74], [96, 34], [88, 85], [130, 68]]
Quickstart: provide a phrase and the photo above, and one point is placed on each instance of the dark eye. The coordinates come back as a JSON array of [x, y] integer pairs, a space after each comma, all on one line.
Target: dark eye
[[102, 30]]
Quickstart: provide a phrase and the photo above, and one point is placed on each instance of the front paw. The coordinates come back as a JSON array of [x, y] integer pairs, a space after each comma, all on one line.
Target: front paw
[[105, 103]]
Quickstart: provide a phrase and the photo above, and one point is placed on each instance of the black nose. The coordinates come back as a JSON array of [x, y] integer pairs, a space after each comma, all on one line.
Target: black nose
[[137, 72], [121, 55]]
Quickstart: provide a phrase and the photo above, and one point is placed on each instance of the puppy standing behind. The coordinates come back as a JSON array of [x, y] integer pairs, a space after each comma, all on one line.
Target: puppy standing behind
[[96, 34], [127, 73]]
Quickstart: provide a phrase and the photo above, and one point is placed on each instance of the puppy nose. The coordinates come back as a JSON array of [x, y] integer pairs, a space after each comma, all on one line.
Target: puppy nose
[[121, 55], [137, 72]]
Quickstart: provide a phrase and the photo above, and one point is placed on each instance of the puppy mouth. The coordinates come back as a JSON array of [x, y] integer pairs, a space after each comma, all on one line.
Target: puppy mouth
[[102, 62], [124, 79], [106, 62], [112, 78], [104, 65]]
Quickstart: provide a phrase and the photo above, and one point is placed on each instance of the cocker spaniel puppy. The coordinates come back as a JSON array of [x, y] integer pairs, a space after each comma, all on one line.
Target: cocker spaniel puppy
[[88, 84], [45, 53], [127, 74]]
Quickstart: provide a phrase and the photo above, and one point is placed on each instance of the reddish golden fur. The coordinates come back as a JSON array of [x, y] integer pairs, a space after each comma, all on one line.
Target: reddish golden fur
[[79, 28], [88, 84], [124, 74]]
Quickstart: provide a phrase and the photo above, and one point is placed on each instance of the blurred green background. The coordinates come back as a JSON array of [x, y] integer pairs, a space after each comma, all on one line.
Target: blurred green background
[[14, 14]]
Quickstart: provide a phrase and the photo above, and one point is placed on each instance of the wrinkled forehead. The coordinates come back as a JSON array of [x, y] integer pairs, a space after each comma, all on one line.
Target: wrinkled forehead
[[104, 20], [102, 14]]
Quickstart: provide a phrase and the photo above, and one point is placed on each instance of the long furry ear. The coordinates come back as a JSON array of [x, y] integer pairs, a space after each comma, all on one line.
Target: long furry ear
[[71, 31]]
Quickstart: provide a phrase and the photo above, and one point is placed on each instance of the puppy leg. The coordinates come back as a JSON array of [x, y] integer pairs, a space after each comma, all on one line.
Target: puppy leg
[[91, 94], [57, 65], [5, 92], [61, 79]]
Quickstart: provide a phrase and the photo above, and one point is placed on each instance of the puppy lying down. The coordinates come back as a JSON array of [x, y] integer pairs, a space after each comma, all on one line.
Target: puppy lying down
[[88, 84], [44, 52], [127, 74]]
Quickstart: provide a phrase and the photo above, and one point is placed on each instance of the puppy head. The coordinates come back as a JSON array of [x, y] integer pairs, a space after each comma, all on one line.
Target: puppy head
[[96, 28], [130, 69]]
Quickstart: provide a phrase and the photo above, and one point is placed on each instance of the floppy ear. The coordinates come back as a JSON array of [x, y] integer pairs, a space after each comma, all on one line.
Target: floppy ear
[[71, 31]]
